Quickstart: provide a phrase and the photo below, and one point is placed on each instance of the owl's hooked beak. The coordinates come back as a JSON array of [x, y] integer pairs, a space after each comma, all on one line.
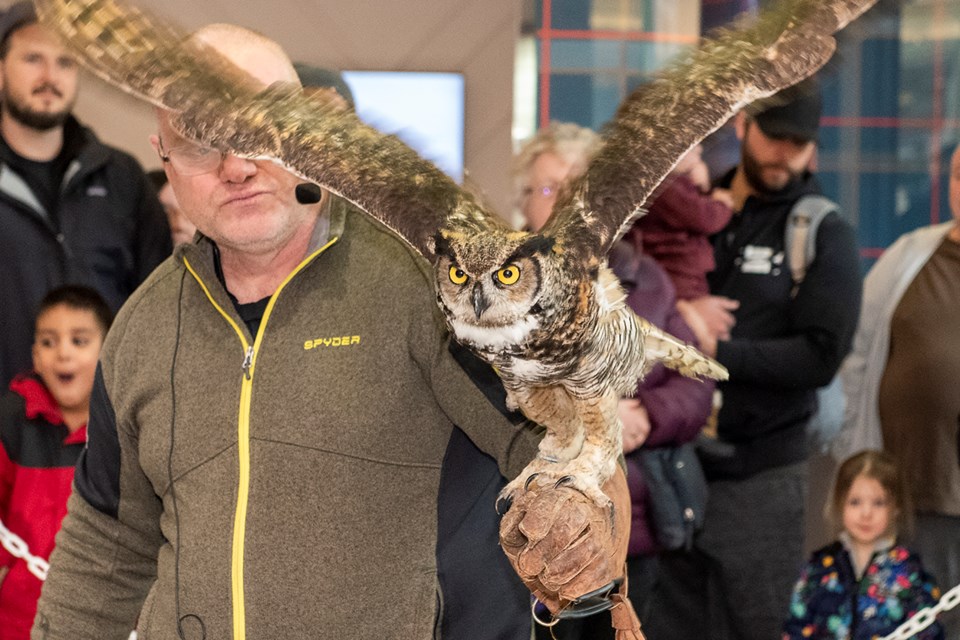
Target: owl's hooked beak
[[480, 302]]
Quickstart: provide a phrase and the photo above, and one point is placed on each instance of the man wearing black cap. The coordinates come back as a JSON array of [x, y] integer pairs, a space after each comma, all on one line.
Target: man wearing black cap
[[780, 341], [327, 81], [72, 210]]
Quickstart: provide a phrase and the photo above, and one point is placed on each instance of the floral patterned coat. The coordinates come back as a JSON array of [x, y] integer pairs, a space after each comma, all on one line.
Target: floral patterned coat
[[829, 602]]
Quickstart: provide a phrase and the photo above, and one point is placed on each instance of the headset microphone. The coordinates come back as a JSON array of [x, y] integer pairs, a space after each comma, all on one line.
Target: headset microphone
[[308, 193]]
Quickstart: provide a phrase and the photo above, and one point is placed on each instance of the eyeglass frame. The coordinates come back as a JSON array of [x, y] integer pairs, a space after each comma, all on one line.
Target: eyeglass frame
[[541, 190], [166, 158]]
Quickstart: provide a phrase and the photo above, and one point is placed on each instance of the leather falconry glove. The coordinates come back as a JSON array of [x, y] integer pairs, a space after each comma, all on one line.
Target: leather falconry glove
[[570, 554]]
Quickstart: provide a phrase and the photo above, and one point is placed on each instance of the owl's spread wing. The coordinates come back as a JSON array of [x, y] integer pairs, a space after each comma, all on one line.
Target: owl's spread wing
[[216, 103], [664, 119]]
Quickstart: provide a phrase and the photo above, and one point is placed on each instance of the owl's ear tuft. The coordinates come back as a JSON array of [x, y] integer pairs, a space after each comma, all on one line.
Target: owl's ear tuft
[[537, 244], [441, 245]]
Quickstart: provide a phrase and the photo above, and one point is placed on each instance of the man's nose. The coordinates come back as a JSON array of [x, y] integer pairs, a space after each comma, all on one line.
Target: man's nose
[[236, 169]]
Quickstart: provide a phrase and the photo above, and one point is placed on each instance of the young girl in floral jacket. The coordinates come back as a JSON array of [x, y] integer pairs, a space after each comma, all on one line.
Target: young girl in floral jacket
[[864, 585]]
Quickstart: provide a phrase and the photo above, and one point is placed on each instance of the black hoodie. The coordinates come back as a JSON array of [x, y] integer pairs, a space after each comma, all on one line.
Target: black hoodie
[[782, 347]]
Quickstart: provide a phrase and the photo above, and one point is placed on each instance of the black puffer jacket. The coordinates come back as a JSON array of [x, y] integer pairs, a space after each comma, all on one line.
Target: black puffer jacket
[[110, 233]]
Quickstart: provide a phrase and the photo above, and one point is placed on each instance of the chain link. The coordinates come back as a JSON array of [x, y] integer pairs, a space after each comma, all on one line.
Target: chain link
[[926, 617], [19, 549]]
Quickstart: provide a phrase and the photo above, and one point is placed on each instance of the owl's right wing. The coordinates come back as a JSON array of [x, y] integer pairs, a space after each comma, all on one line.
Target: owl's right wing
[[664, 119], [213, 101]]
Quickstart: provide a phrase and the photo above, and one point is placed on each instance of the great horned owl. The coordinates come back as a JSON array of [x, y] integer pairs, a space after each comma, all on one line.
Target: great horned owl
[[542, 307], [564, 342]]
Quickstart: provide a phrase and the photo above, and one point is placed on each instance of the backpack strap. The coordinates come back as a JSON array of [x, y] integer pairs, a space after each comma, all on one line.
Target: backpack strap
[[800, 235]]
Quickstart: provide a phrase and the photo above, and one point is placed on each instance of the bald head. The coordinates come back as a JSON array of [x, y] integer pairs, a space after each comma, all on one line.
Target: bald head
[[256, 54]]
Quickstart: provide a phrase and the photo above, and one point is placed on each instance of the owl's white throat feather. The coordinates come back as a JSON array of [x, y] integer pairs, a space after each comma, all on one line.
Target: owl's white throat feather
[[494, 338], [608, 291]]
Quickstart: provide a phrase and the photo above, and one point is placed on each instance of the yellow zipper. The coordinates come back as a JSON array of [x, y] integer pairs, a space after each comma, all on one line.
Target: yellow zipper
[[243, 437]]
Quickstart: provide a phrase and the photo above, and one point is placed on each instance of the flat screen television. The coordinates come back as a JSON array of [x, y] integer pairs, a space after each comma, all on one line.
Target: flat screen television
[[424, 109]]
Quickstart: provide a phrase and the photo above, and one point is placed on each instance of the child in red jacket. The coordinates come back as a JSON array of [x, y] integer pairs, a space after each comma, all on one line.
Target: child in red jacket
[[43, 420]]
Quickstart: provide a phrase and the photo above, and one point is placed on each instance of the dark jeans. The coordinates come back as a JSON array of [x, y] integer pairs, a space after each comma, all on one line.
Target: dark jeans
[[735, 584]]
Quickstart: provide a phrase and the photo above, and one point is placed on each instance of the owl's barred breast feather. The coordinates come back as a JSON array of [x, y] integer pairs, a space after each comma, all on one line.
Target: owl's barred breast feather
[[542, 308]]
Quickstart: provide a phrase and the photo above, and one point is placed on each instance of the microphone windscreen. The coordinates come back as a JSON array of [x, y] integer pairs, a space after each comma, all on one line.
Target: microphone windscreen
[[308, 193]]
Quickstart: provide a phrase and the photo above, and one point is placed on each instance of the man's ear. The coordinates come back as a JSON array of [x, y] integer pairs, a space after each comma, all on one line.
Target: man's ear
[[740, 124]]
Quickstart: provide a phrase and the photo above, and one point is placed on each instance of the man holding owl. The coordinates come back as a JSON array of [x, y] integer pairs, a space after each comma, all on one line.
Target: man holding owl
[[251, 473]]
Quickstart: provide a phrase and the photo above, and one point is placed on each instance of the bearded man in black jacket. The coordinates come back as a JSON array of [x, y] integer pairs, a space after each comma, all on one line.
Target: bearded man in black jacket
[[780, 344], [72, 209]]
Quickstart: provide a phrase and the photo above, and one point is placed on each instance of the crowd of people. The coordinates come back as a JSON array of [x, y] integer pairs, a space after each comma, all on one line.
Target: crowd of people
[[192, 456], [717, 255]]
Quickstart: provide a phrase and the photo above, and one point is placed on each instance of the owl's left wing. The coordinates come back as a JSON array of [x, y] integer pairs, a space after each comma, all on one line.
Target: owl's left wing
[[216, 103], [664, 119]]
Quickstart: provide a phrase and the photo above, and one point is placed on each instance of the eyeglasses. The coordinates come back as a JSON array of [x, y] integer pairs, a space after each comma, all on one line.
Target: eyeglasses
[[541, 191], [192, 159]]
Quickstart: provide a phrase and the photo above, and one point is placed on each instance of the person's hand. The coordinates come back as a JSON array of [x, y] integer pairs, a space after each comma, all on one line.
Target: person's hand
[[564, 547], [717, 314], [706, 340], [562, 544], [636, 423], [699, 175], [723, 196]]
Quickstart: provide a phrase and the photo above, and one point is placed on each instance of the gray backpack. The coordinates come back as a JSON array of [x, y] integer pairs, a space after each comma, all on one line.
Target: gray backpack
[[800, 246]]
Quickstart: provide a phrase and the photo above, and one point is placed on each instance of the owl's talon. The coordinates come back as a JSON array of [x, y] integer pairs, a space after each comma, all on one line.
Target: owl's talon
[[563, 481], [503, 505], [530, 478]]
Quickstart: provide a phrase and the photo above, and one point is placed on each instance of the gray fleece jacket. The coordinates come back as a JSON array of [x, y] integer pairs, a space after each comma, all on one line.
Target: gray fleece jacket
[[282, 485]]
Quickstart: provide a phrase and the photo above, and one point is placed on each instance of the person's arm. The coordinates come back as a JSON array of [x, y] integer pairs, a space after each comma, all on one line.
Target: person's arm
[[472, 396], [106, 552], [922, 592], [683, 206], [712, 319], [823, 319], [862, 368], [798, 614]]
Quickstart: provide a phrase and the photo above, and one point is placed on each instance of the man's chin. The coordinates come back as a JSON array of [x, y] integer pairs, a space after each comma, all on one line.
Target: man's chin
[[42, 120], [775, 180]]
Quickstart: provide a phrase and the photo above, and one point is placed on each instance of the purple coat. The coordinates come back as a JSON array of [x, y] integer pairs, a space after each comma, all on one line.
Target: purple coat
[[677, 406]]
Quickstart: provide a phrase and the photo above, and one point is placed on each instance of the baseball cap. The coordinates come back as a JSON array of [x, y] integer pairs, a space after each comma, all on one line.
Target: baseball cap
[[792, 113], [16, 16], [311, 76]]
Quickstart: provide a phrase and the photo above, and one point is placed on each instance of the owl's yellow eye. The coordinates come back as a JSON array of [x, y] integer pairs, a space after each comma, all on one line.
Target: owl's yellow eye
[[457, 276], [509, 274]]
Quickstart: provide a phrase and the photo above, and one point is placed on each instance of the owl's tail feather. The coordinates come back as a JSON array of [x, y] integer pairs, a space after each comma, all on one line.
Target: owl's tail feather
[[660, 346]]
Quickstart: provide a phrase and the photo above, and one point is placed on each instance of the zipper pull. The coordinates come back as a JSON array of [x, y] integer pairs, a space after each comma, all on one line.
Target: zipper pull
[[247, 362]]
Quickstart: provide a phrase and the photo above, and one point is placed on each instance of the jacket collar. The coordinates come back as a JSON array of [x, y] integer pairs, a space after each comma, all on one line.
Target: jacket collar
[[882, 545], [202, 252], [37, 399], [92, 156], [39, 403]]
